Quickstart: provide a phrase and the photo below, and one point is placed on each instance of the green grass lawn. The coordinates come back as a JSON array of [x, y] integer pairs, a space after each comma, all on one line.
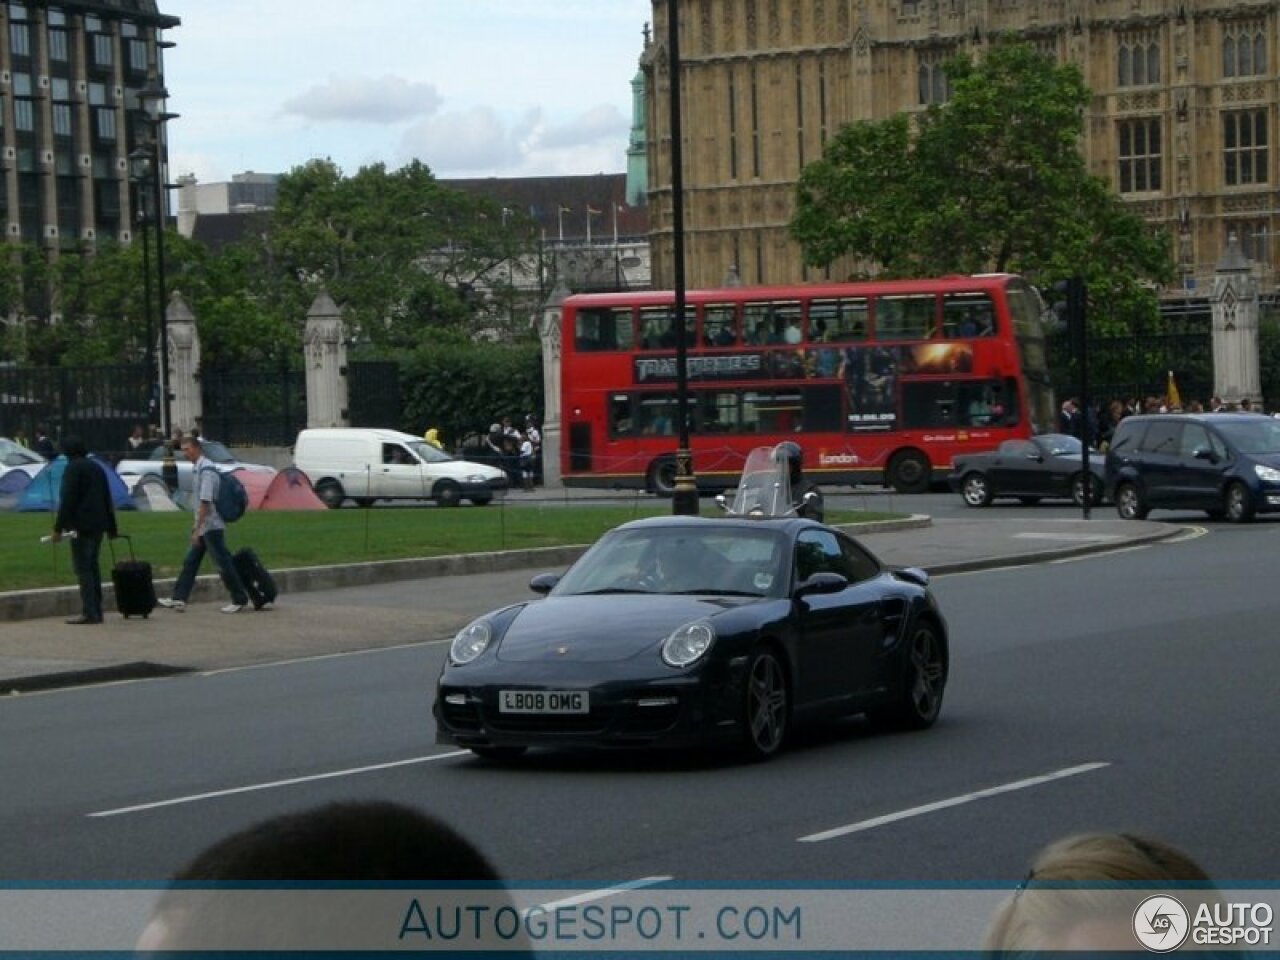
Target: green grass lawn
[[304, 539]]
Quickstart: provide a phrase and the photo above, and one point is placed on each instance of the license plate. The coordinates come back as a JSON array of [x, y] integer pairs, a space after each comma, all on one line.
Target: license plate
[[543, 701]]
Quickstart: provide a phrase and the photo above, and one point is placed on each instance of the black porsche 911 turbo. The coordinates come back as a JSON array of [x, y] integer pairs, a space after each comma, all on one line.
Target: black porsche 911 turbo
[[1043, 467], [679, 630]]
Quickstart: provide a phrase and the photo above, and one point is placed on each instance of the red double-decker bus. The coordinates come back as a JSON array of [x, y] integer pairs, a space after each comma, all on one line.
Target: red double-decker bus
[[880, 381]]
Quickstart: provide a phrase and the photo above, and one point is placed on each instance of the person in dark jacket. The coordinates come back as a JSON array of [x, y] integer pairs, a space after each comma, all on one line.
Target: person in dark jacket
[[85, 509], [809, 507]]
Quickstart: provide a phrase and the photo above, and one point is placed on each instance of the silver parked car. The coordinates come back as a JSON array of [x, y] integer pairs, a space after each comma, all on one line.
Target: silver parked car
[[222, 458]]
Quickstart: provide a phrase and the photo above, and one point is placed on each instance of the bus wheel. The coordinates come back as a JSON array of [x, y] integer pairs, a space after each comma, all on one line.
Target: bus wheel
[[909, 472], [662, 477]]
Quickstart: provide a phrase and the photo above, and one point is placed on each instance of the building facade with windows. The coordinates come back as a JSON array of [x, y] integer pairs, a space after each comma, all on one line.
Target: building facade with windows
[[70, 77], [1184, 109]]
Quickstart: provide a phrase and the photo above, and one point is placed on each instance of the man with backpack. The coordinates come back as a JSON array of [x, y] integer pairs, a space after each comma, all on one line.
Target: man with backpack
[[214, 495]]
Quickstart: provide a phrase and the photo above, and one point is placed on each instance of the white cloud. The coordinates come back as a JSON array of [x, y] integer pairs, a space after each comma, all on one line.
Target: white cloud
[[478, 142], [385, 99]]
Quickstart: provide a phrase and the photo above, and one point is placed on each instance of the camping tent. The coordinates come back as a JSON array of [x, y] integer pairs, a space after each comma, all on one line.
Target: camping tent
[[291, 490], [12, 483], [45, 488], [255, 483], [150, 494]]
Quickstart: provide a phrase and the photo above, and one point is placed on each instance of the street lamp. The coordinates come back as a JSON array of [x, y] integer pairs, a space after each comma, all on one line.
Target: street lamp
[[152, 98], [139, 164], [684, 499]]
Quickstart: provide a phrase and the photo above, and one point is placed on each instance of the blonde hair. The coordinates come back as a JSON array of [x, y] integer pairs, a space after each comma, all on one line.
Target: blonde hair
[[1045, 906]]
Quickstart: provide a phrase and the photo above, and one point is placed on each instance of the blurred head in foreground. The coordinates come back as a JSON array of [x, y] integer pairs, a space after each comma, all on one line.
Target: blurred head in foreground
[[364, 846], [1081, 893]]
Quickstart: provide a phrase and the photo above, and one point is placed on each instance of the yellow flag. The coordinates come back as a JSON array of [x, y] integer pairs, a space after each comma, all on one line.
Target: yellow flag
[[1172, 400]]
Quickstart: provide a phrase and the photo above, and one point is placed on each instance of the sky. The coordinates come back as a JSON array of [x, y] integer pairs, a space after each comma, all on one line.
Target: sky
[[472, 88]]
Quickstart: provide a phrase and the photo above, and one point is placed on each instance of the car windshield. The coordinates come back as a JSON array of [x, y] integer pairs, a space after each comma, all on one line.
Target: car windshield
[[1061, 444], [696, 560], [1253, 435], [426, 452]]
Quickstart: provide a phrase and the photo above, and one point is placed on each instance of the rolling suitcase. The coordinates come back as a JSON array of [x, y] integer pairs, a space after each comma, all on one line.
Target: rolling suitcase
[[257, 580], [135, 589]]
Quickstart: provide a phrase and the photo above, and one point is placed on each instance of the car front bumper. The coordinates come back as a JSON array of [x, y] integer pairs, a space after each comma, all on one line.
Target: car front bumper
[[675, 710]]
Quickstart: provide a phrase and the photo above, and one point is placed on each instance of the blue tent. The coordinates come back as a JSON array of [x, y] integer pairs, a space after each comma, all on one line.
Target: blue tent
[[43, 491], [12, 483]]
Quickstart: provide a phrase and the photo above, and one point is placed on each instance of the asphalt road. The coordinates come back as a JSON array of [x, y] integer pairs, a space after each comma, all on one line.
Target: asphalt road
[[1141, 683]]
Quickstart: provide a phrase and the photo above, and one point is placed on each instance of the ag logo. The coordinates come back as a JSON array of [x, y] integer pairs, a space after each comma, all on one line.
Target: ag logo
[[1161, 923]]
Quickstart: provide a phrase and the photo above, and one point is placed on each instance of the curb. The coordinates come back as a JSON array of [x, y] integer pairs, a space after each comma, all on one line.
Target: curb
[[1041, 556], [114, 673]]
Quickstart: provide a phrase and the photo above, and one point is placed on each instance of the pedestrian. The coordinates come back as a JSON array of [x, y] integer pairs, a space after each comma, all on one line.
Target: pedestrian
[[136, 438], [44, 443], [86, 511], [208, 533], [526, 463]]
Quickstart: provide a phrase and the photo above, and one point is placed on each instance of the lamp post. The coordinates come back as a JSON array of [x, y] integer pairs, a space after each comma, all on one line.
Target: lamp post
[[684, 499], [139, 161], [152, 98]]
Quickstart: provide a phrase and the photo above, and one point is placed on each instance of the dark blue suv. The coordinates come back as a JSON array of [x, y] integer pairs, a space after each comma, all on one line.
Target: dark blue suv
[[1227, 464]]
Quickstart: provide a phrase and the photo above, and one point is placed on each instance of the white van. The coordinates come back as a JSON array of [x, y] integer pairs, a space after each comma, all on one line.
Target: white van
[[369, 464]]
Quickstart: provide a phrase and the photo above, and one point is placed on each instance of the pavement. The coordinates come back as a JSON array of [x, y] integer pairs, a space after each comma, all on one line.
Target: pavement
[[316, 615]]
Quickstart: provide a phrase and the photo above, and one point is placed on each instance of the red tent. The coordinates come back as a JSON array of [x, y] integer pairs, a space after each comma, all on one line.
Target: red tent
[[290, 489], [256, 483]]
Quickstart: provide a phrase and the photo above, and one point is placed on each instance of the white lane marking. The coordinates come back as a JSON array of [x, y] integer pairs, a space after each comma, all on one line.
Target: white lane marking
[[271, 785], [602, 894], [874, 822]]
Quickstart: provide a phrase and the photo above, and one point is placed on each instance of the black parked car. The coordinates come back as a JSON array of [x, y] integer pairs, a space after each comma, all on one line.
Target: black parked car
[[673, 630], [1045, 466], [1227, 464]]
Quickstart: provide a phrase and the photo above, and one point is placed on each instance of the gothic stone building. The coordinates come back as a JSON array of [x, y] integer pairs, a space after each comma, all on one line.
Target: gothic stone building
[[1184, 104]]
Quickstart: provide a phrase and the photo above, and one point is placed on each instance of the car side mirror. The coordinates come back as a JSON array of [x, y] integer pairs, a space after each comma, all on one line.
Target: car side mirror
[[821, 583], [543, 582], [1204, 453], [1036, 457]]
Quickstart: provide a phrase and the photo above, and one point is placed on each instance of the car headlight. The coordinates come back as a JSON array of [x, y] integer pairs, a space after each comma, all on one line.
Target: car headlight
[[471, 641], [1269, 474], [687, 643]]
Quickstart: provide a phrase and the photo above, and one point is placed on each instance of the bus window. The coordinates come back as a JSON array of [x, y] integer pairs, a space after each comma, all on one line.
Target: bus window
[[837, 320], [905, 317], [755, 324], [620, 422], [657, 328], [717, 412], [772, 412], [719, 326], [967, 315], [657, 416], [598, 330], [929, 404]]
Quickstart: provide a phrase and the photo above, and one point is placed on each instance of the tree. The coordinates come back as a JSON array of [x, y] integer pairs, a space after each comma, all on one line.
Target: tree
[[991, 180], [399, 250]]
